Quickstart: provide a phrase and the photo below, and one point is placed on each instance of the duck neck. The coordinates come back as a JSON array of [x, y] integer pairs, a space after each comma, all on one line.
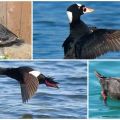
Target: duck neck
[[74, 18], [79, 28], [75, 22]]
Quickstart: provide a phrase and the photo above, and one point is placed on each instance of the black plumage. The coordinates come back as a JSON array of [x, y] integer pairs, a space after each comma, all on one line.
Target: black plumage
[[97, 43], [86, 42]]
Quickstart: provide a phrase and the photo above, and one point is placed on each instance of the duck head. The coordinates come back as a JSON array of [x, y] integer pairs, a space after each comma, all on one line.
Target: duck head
[[76, 10], [48, 81]]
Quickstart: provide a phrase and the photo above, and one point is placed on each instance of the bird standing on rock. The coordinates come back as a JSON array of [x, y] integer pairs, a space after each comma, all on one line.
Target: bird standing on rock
[[86, 42], [29, 80]]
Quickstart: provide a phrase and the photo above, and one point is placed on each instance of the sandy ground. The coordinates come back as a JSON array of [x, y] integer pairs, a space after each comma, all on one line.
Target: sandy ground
[[18, 52]]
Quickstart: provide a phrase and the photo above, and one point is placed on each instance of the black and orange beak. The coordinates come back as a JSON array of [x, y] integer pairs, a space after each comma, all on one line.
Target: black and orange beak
[[88, 10]]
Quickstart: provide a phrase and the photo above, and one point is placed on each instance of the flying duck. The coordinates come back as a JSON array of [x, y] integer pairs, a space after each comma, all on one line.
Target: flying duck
[[8, 38], [86, 42], [110, 87], [29, 80]]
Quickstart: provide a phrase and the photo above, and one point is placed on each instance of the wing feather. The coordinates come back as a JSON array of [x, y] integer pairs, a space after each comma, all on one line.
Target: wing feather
[[28, 87], [98, 43]]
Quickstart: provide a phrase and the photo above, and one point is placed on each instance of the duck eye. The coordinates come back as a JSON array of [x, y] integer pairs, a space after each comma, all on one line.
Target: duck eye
[[84, 9]]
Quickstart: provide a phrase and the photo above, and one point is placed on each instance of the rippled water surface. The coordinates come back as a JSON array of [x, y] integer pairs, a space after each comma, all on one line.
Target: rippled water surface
[[67, 102], [51, 26], [97, 108]]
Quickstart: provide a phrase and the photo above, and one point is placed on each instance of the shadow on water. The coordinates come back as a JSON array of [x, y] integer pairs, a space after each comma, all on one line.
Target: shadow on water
[[27, 116], [30, 116]]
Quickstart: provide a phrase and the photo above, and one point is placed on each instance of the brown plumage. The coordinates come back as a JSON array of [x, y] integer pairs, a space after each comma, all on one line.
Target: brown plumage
[[110, 86]]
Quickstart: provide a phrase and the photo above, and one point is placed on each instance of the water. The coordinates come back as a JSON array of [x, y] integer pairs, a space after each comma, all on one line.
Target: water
[[70, 101], [51, 28], [97, 108]]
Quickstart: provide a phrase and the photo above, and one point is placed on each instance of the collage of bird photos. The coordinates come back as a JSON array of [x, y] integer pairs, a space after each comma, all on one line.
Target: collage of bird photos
[[59, 59]]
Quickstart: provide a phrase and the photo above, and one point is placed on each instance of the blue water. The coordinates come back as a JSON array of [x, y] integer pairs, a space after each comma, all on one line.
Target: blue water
[[51, 28], [97, 108], [70, 101]]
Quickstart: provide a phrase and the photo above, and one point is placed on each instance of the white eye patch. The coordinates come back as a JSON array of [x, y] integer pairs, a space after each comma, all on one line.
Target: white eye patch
[[70, 16], [35, 73]]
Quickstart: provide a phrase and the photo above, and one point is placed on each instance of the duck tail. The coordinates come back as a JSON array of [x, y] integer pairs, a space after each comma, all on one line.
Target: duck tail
[[18, 41]]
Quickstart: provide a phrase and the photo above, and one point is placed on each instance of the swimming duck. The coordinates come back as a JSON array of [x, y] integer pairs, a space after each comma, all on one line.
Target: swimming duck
[[110, 86], [86, 42]]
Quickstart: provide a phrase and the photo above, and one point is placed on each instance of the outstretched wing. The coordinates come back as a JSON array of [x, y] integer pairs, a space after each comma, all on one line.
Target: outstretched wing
[[28, 86], [98, 43]]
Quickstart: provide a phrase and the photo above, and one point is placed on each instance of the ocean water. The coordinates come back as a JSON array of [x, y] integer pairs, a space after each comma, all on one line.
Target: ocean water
[[69, 101], [97, 108], [51, 27]]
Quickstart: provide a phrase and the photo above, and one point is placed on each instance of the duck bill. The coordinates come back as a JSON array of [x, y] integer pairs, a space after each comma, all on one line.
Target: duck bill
[[49, 84], [89, 10]]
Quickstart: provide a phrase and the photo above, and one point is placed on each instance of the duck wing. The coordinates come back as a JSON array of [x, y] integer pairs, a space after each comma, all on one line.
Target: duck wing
[[66, 44], [114, 88], [69, 47], [28, 86], [8, 38], [92, 28], [97, 43]]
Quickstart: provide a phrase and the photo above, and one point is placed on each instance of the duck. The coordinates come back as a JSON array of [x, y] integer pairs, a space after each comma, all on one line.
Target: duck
[[29, 80], [110, 86], [88, 42]]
